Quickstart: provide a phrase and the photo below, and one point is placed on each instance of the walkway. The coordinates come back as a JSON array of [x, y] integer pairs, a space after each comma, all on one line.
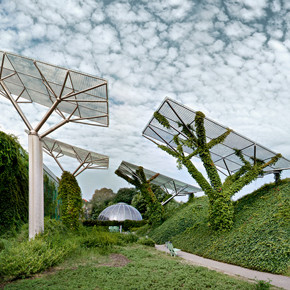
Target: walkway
[[276, 280]]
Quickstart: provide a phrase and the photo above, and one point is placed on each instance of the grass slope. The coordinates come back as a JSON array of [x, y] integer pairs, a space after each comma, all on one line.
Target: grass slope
[[258, 240]]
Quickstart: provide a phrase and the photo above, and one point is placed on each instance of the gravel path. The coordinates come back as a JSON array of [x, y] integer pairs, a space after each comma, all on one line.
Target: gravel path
[[233, 270]]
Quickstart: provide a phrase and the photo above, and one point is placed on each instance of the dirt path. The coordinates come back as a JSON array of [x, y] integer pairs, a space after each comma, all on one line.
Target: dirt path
[[233, 270]]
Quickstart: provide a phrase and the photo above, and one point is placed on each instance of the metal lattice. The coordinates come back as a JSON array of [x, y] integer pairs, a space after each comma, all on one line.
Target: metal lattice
[[79, 97], [170, 185], [87, 159], [223, 155]]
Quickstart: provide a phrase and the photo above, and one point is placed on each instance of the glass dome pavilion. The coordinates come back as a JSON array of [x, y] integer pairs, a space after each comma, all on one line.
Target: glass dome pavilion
[[120, 212]]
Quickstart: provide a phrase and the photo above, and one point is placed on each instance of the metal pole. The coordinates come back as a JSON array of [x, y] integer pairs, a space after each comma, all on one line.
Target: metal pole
[[36, 199]]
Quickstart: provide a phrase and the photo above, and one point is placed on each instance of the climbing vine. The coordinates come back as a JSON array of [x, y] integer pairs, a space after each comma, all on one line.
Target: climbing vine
[[71, 200], [155, 211], [13, 183], [221, 210]]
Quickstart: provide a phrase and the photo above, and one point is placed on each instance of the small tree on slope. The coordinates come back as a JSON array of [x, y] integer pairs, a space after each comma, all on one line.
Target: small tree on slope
[[155, 210], [220, 205]]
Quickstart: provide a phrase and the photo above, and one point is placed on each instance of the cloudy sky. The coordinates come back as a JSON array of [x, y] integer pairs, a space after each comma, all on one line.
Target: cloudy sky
[[229, 59]]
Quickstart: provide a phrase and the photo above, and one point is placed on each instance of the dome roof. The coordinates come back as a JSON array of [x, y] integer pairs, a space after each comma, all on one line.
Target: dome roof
[[120, 212]]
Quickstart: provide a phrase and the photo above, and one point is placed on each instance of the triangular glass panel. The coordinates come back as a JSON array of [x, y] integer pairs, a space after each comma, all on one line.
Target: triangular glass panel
[[52, 73], [7, 64], [23, 65]]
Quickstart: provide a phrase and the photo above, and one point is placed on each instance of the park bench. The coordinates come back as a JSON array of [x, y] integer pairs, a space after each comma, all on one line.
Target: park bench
[[173, 251]]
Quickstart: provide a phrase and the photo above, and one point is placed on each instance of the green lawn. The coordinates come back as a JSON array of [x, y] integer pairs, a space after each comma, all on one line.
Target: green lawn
[[131, 267]]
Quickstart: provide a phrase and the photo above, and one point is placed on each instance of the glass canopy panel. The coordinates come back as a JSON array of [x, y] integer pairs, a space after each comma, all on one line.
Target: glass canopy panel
[[182, 114], [80, 154], [38, 79], [177, 113], [161, 180], [53, 74], [23, 65]]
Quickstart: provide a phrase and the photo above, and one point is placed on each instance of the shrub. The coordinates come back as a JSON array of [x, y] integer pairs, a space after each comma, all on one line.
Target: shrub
[[26, 258], [4, 244], [99, 239], [127, 238], [127, 225], [146, 242]]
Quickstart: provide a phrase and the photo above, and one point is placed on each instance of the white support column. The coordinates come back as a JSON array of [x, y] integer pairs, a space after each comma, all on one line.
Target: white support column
[[36, 196]]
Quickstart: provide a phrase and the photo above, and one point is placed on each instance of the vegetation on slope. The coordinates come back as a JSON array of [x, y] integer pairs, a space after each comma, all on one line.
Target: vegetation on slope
[[259, 238]]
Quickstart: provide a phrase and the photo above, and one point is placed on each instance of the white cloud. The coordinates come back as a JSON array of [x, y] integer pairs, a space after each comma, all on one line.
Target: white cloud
[[230, 62]]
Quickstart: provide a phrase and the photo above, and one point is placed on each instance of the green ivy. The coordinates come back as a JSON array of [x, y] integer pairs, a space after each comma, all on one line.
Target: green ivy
[[50, 197], [13, 183], [71, 200], [155, 210]]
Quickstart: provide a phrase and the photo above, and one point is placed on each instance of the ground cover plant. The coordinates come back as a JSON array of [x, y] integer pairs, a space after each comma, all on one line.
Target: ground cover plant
[[259, 239], [132, 267]]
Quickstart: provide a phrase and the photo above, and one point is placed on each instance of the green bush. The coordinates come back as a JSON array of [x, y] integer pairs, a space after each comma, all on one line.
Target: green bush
[[22, 258], [99, 239], [127, 225], [146, 242], [26, 258], [96, 237], [127, 238], [4, 244]]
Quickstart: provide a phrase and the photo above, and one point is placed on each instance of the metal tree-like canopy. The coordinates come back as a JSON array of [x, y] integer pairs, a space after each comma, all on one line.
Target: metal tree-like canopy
[[74, 96], [223, 155], [176, 187], [87, 159], [120, 212]]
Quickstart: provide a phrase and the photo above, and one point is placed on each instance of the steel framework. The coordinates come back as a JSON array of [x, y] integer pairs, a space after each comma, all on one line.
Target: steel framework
[[87, 159], [172, 186], [223, 155], [74, 96]]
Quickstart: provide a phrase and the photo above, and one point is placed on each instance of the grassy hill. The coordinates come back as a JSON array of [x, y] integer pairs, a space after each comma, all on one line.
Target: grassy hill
[[259, 239]]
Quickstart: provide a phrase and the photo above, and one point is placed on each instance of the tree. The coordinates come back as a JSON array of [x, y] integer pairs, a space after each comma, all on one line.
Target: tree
[[139, 202], [154, 209], [101, 195], [125, 195], [219, 193], [13, 183], [100, 200], [71, 200], [160, 194]]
